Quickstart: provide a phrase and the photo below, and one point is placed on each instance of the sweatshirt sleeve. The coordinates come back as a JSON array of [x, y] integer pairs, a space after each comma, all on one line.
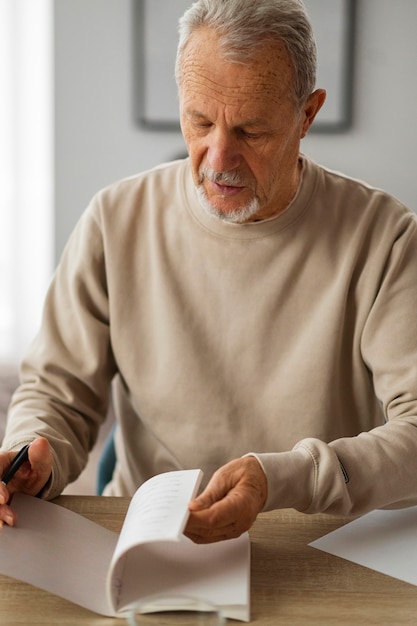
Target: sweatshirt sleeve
[[66, 374], [374, 469]]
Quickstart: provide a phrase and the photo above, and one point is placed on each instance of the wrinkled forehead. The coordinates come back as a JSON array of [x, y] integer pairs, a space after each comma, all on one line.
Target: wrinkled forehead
[[266, 72]]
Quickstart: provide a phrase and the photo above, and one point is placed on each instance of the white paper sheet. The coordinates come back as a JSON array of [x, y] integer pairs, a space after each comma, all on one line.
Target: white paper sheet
[[385, 541], [60, 551]]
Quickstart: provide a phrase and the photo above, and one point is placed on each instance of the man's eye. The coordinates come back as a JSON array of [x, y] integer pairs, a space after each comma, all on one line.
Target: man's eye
[[201, 129], [202, 125], [251, 135]]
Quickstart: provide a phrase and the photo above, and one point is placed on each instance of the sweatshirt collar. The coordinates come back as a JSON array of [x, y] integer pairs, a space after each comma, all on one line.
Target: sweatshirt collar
[[252, 230]]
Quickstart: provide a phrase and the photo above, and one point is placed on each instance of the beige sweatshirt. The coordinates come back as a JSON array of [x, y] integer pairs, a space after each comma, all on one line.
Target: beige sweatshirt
[[293, 338]]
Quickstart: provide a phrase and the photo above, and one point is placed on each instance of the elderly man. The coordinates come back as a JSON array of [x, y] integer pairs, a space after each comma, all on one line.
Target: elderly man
[[255, 311]]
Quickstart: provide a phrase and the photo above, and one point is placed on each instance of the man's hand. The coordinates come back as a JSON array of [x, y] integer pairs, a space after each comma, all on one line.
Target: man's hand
[[30, 478], [230, 503]]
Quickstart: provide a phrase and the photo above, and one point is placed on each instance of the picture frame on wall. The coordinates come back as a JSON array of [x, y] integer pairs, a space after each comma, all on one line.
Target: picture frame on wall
[[155, 43]]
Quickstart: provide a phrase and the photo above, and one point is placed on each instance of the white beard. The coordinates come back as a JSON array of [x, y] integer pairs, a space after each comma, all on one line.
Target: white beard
[[237, 216]]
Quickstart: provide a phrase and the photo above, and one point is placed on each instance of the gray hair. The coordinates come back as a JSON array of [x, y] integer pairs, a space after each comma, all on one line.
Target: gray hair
[[245, 24]]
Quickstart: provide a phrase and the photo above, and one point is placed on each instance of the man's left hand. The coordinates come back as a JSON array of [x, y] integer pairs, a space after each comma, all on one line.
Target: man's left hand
[[230, 503]]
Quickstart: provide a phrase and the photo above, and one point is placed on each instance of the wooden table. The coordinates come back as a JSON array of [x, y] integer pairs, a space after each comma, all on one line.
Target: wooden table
[[292, 583]]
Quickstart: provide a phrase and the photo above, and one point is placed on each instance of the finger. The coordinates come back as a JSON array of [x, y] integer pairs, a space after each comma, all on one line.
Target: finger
[[204, 539], [221, 514], [220, 485], [204, 534], [208, 535], [7, 516], [4, 494], [215, 491], [40, 456], [6, 461], [227, 519], [238, 505], [244, 473], [33, 475]]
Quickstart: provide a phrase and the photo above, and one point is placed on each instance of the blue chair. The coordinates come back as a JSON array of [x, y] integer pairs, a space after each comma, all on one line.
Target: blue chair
[[107, 463]]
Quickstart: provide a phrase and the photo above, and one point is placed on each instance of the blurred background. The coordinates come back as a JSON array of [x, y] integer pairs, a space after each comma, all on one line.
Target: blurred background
[[68, 127]]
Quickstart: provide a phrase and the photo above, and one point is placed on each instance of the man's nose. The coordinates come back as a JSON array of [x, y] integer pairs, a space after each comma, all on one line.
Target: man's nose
[[223, 151]]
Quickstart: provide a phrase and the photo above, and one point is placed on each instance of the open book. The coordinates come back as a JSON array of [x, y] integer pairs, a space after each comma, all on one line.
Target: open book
[[65, 553]]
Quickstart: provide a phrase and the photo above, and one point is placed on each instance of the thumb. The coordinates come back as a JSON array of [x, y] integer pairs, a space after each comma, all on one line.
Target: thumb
[[40, 456], [33, 475], [203, 501], [215, 491]]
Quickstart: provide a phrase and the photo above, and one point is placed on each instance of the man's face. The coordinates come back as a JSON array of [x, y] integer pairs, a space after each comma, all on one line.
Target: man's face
[[241, 127]]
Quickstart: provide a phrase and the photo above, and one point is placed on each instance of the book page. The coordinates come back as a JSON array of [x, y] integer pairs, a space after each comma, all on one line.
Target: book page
[[158, 512], [159, 509], [218, 572]]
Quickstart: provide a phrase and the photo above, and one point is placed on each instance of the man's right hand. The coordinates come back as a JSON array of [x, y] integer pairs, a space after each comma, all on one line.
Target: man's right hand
[[30, 478]]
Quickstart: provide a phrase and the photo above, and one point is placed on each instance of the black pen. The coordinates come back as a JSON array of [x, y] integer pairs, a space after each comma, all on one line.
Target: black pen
[[17, 462]]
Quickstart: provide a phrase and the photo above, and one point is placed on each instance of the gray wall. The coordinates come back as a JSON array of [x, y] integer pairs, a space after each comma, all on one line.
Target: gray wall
[[381, 145], [98, 141]]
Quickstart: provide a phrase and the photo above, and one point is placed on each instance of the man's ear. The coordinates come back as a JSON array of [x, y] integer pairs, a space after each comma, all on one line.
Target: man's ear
[[313, 105]]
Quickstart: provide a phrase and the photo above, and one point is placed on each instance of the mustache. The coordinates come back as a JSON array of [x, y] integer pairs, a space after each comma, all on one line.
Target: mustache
[[222, 178]]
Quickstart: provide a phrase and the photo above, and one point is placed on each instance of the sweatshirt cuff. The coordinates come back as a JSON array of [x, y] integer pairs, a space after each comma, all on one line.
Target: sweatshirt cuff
[[54, 485], [291, 478]]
